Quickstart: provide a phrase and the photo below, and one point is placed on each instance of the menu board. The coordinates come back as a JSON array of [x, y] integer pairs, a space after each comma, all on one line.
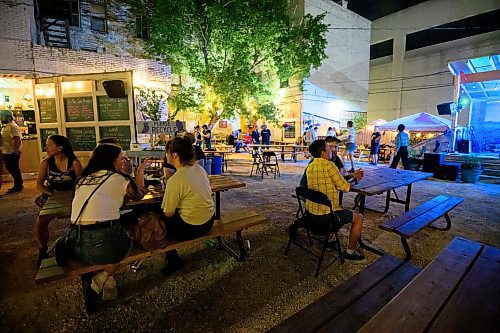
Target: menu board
[[112, 108], [79, 109], [47, 109], [82, 138], [119, 133], [289, 129], [45, 133]]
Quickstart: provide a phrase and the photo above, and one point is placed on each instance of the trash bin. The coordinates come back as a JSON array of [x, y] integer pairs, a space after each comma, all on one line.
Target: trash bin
[[208, 166], [216, 165]]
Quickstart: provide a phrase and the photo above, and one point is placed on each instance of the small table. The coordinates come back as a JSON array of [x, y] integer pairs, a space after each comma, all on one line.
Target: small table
[[59, 204], [384, 179]]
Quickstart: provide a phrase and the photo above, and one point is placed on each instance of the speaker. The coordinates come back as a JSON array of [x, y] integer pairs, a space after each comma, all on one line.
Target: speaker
[[445, 108], [114, 88], [432, 161]]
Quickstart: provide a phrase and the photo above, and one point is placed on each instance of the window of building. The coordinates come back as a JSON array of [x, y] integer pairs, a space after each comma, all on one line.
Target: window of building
[[141, 27], [74, 13], [381, 49], [98, 16]]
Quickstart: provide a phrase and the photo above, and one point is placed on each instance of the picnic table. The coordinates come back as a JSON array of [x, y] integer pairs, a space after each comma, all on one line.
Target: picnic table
[[383, 179], [282, 149], [59, 204]]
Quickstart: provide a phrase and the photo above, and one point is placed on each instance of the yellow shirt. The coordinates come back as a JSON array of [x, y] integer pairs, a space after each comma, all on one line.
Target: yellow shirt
[[324, 176], [9, 131]]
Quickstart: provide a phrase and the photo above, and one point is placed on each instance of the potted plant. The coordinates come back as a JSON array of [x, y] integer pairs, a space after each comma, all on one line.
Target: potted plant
[[414, 160], [471, 169]]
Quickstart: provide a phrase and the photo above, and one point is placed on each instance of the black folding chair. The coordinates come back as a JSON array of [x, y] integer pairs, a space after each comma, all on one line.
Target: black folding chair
[[270, 163], [303, 220], [257, 162]]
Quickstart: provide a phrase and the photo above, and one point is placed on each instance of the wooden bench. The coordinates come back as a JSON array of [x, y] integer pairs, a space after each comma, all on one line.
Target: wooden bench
[[457, 292], [349, 306], [416, 219], [229, 224]]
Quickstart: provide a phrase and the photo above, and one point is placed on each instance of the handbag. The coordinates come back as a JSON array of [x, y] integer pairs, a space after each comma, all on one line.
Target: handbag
[[64, 245], [41, 200], [149, 233]]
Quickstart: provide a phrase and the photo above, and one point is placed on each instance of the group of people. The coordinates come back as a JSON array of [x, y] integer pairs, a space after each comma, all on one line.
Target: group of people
[[239, 141], [100, 190]]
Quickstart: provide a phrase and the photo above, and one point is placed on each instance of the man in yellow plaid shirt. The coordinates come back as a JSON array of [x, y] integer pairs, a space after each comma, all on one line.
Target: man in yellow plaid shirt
[[323, 176]]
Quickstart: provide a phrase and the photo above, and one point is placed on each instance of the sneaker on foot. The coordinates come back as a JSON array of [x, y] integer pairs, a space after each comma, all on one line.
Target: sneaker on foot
[[356, 256], [98, 281], [173, 265]]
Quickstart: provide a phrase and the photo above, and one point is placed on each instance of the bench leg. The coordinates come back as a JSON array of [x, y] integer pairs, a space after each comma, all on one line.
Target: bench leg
[[370, 247], [241, 247], [448, 223], [407, 249], [89, 295]]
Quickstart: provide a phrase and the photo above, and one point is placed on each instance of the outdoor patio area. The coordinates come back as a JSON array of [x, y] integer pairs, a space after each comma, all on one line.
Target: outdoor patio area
[[214, 292]]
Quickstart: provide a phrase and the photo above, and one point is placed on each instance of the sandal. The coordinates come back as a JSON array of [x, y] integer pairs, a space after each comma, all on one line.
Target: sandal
[[98, 281], [109, 291]]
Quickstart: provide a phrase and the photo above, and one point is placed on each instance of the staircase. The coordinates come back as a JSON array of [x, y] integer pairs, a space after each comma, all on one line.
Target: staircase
[[55, 32], [491, 165]]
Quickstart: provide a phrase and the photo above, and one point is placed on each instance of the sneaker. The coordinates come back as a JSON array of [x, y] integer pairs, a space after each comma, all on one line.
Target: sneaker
[[356, 256], [15, 189], [173, 265], [351, 171]]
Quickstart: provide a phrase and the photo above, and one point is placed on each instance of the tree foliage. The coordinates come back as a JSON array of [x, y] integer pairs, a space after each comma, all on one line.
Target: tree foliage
[[235, 51]]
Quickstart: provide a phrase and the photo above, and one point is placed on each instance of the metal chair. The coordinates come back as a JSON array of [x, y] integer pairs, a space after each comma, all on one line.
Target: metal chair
[[270, 162], [257, 162], [302, 220]]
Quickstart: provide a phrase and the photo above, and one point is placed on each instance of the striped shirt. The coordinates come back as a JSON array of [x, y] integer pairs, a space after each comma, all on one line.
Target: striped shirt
[[324, 176], [402, 140]]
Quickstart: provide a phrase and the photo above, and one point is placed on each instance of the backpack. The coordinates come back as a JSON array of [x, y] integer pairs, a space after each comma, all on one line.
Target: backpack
[[150, 233]]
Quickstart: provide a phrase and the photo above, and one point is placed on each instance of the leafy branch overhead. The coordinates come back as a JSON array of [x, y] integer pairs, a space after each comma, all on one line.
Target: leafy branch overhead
[[236, 51]]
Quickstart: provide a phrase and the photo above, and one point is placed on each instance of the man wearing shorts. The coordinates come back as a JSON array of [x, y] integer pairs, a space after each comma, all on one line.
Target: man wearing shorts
[[324, 176], [350, 145]]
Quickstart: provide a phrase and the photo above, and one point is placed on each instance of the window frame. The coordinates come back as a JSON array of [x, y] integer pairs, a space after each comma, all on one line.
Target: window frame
[[97, 16]]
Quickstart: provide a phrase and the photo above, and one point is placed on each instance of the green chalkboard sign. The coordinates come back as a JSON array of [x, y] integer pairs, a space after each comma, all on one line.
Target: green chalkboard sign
[[47, 109], [120, 133], [82, 138], [45, 133], [79, 109], [112, 108]]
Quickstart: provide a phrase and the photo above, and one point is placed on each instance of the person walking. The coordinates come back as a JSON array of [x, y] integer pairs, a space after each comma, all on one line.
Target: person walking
[[374, 147], [207, 137], [402, 143], [350, 145], [11, 149]]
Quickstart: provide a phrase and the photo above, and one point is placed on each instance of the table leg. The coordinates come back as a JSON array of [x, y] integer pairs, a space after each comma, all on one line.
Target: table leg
[[387, 200], [341, 197], [408, 198], [217, 205], [283, 154], [362, 204]]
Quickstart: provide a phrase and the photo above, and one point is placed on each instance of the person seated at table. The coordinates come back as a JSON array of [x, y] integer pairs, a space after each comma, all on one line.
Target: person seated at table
[[199, 155], [162, 140], [331, 132], [96, 227], [128, 165], [247, 140], [57, 172], [324, 176], [187, 206]]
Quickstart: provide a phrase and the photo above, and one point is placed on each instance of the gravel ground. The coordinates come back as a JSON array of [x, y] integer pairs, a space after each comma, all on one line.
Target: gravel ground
[[214, 292]]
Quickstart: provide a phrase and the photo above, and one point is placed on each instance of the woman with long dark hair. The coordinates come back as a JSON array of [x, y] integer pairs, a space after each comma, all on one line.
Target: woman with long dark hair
[[57, 172], [95, 216]]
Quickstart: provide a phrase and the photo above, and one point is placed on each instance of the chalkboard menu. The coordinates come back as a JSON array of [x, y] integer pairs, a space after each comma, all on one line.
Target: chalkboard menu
[[120, 133], [45, 133], [289, 129], [79, 109], [47, 109], [82, 138], [112, 108]]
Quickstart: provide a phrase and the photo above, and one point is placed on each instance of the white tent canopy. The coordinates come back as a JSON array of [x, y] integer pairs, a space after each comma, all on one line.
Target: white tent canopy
[[419, 122]]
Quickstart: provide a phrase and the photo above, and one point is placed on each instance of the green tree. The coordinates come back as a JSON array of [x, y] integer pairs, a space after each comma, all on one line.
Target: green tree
[[235, 51], [359, 121]]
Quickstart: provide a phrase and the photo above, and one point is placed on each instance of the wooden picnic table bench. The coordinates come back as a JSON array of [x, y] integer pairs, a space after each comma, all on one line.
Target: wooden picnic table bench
[[414, 220], [230, 224], [457, 292]]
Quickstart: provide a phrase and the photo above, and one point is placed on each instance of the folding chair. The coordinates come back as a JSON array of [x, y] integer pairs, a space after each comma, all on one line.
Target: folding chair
[[270, 162], [302, 220], [257, 162]]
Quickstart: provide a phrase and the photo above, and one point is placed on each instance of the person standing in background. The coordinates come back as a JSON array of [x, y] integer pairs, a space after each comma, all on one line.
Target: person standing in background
[[197, 135], [207, 137], [266, 135], [331, 132], [11, 149], [402, 143], [314, 134], [350, 145], [256, 135], [374, 147]]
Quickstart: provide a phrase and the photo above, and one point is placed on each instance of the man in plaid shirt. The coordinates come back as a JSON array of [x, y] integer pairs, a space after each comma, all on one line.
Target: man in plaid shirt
[[324, 176]]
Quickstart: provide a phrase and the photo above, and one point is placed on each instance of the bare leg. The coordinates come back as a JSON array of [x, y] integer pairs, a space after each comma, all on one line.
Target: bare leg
[[42, 230], [351, 158], [355, 233]]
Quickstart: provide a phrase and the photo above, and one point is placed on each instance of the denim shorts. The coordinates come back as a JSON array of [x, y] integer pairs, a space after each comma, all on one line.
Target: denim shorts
[[103, 245], [350, 147]]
